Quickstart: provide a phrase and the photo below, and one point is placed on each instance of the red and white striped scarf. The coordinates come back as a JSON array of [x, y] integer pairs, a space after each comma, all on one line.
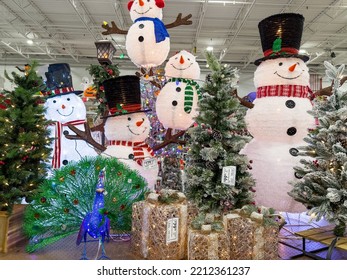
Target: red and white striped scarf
[[285, 90], [138, 147], [57, 143]]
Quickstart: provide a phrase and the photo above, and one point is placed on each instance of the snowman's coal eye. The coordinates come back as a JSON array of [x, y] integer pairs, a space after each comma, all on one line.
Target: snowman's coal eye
[[174, 103], [189, 59], [176, 57], [280, 64], [54, 101], [129, 119], [68, 99], [143, 119]]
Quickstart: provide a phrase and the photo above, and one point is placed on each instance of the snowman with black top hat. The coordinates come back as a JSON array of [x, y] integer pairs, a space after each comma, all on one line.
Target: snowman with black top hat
[[279, 119], [64, 108], [127, 127]]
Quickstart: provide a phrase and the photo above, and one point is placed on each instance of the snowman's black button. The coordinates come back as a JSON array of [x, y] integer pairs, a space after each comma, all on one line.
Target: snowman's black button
[[66, 132], [131, 156], [141, 39], [65, 162], [290, 104], [178, 89], [141, 26], [294, 152], [174, 103], [291, 131]]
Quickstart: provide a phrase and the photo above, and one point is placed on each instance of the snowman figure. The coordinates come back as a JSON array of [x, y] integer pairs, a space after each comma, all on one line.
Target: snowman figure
[[177, 102], [147, 41], [127, 127], [64, 107], [279, 119]]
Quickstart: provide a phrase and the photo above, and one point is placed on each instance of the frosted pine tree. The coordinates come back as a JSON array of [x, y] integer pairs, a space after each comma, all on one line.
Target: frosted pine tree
[[215, 142], [323, 188]]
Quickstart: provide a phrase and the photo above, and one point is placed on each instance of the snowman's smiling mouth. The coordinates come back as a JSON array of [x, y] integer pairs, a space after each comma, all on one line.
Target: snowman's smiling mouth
[[132, 132], [150, 8], [66, 115], [181, 68], [288, 78]]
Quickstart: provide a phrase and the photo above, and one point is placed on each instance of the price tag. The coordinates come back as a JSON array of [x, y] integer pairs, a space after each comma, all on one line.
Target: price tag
[[229, 175], [150, 163], [172, 230]]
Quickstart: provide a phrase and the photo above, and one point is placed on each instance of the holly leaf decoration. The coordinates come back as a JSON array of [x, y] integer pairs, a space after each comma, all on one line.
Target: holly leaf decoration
[[277, 45]]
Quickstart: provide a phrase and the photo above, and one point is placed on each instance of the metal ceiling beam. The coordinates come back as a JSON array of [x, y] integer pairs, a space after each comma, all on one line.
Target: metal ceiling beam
[[20, 4], [17, 49], [202, 13], [85, 17], [247, 10]]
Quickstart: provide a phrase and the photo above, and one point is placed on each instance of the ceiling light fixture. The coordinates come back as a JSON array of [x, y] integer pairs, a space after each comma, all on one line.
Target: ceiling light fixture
[[209, 48], [30, 42]]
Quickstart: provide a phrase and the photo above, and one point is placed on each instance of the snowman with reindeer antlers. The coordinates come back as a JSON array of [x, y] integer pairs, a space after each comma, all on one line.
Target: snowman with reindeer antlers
[[147, 40], [279, 119]]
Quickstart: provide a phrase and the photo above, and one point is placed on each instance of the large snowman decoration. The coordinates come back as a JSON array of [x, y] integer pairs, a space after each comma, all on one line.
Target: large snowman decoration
[[279, 120], [147, 42], [64, 107], [127, 127], [177, 102]]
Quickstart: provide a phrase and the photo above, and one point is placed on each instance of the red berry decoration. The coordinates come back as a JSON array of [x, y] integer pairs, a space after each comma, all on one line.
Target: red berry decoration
[[43, 199], [119, 173], [75, 201], [122, 207], [37, 215], [73, 172]]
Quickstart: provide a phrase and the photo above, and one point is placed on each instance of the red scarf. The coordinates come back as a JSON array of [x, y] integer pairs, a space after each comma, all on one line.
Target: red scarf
[[57, 143], [285, 90], [138, 147]]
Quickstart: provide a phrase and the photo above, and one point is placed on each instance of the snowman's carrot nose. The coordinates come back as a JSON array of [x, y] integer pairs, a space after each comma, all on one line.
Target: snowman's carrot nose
[[139, 123], [181, 60], [141, 3], [63, 106], [292, 68]]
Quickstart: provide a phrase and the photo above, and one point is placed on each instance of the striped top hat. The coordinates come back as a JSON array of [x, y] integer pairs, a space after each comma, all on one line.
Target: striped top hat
[[280, 36], [123, 95], [58, 80]]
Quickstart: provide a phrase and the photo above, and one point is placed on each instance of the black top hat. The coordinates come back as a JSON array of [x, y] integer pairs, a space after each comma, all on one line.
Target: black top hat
[[58, 80], [281, 36], [123, 95]]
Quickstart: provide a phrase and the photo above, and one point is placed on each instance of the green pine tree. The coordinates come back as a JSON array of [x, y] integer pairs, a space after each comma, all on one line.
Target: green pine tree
[[65, 198], [100, 73], [323, 188], [216, 142], [24, 139]]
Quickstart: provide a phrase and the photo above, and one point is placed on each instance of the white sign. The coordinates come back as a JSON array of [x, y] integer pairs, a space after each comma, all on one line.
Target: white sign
[[229, 175], [150, 163], [172, 230]]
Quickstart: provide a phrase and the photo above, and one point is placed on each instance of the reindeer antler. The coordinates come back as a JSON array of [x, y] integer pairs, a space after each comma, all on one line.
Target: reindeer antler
[[180, 21], [112, 30], [84, 135], [169, 138]]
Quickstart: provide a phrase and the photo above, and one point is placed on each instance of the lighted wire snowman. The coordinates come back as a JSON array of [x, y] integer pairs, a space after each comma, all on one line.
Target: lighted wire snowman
[[147, 41], [177, 103], [64, 107], [127, 127], [279, 120]]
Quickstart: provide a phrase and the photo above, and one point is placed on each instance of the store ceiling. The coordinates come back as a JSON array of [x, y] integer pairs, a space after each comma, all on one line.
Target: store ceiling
[[65, 30]]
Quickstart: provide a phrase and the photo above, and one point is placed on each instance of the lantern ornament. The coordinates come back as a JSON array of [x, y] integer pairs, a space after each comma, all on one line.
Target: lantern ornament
[[105, 51]]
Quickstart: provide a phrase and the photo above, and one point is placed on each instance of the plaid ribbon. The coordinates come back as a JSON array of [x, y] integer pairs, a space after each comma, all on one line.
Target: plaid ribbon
[[57, 144], [189, 92], [285, 90], [138, 147]]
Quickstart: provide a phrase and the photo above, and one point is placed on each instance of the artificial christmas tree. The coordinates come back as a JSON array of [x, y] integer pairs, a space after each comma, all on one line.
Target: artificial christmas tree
[[24, 139], [215, 143], [323, 188]]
